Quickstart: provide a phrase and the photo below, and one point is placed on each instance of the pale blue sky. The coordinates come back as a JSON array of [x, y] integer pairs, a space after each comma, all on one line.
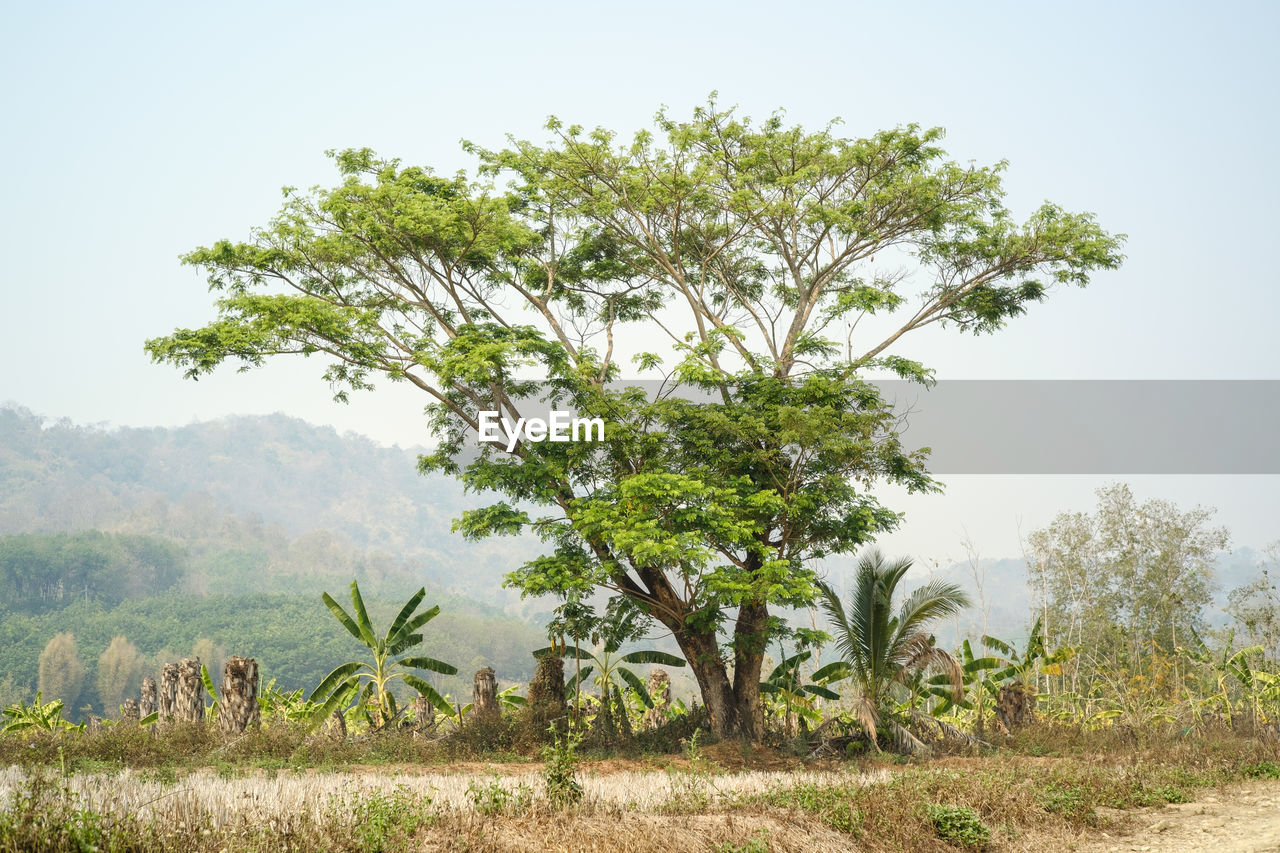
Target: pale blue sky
[[134, 132]]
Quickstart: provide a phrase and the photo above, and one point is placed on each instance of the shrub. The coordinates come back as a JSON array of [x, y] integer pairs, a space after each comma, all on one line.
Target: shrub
[[959, 825]]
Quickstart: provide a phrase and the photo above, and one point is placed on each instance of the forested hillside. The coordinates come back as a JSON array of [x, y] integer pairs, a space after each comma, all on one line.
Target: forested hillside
[[248, 489], [218, 539]]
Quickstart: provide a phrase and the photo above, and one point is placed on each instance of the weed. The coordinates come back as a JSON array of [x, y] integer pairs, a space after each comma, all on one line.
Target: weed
[[1262, 770], [491, 799], [959, 826], [833, 804], [758, 844], [1069, 802], [381, 822], [561, 773]]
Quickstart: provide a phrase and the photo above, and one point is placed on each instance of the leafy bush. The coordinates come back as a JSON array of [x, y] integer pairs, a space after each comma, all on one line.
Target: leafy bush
[[959, 825]]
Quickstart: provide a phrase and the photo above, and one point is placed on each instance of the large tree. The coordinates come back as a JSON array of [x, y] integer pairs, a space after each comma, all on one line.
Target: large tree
[[748, 253]]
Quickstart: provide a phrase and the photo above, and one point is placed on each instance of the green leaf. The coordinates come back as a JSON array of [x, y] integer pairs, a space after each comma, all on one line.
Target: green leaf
[[429, 664]]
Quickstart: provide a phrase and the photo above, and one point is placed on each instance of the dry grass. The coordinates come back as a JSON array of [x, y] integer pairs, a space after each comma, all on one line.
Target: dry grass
[[1048, 784]]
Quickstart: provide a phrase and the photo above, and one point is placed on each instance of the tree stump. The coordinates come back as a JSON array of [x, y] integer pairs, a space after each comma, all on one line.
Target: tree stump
[[238, 708], [148, 704], [336, 725], [485, 695], [168, 698], [189, 705], [659, 687], [424, 715], [129, 711], [1016, 706], [546, 691]]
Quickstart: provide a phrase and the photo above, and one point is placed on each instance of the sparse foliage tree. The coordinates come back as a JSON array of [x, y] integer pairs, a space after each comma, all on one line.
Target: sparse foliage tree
[[61, 673], [1255, 606], [120, 670], [1130, 578], [751, 249]]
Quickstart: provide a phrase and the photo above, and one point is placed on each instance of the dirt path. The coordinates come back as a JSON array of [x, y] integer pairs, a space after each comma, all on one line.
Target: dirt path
[[1241, 818]]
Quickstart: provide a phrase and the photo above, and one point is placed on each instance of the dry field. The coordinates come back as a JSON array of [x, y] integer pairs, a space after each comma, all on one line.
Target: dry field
[[1052, 790]]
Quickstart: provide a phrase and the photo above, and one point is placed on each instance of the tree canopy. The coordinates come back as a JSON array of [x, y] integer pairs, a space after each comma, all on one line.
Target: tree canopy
[[747, 252]]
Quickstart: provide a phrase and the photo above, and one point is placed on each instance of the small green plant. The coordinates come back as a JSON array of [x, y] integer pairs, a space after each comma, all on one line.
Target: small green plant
[[758, 844], [959, 826], [1263, 770], [1070, 803], [691, 788], [379, 821], [561, 774], [491, 799]]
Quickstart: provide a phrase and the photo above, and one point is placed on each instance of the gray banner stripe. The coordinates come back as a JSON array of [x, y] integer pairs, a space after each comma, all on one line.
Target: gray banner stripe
[[1097, 427], [1094, 426]]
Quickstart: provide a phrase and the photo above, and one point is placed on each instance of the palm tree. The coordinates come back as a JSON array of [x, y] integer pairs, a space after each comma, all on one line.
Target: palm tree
[[881, 650], [342, 686]]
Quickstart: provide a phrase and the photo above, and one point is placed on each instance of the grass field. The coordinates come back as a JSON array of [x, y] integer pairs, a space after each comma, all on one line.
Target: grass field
[[1050, 788]]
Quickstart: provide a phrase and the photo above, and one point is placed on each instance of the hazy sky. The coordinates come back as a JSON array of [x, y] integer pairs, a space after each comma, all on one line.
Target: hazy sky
[[135, 132]]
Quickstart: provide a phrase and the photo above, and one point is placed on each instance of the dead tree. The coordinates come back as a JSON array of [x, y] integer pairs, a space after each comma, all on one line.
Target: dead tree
[[168, 699], [148, 704], [189, 704], [485, 695], [238, 709]]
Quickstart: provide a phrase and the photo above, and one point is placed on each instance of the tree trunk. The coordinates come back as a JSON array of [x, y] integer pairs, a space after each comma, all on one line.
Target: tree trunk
[[239, 706], [733, 705], [484, 695], [148, 703], [749, 640], [189, 705], [424, 716], [603, 726], [546, 691], [624, 718], [702, 652], [1016, 706], [168, 698]]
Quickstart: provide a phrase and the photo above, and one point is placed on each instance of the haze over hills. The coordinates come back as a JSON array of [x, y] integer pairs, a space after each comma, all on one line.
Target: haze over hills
[[320, 496]]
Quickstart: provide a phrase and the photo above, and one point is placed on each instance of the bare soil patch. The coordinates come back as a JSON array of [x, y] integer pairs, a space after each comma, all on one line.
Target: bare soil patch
[[1241, 818]]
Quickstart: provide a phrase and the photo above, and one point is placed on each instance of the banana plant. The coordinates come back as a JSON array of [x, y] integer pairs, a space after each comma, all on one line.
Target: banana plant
[[369, 683], [976, 681], [290, 706], [1230, 665], [43, 716], [621, 623], [784, 687], [1035, 658], [608, 667]]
